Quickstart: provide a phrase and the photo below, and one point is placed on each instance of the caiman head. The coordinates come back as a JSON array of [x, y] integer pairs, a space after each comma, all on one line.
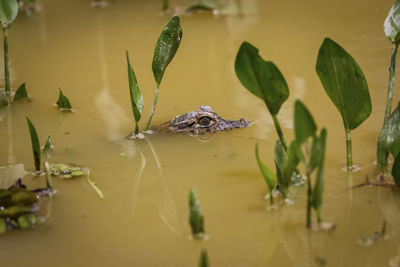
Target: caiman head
[[204, 120]]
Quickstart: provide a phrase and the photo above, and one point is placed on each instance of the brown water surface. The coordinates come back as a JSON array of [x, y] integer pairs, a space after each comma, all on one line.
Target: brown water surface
[[143, 219]]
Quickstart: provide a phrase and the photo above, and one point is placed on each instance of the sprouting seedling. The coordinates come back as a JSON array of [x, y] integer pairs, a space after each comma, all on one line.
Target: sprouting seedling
[[264, 80], [346, 86], [63, 102], [21, 93], [47, 148], [306, 128], [196, 219], [392, 29], [136, 96], [166, 47], [35, 144], [203, 261], [8, 13], [269, 177]]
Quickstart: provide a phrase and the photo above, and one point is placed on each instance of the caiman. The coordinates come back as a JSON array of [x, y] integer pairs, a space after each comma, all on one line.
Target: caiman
[[200, 121]]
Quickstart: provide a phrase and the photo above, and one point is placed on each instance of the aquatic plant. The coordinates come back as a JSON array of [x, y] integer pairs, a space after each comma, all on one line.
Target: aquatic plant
[[268, 176], [203, 261], [196, 219], [392, 29], [346, 86], [305, 128], [136, 96], [165, 5], [166, 47], [35, 144], [63, 102], [264, 80], [8, 13]]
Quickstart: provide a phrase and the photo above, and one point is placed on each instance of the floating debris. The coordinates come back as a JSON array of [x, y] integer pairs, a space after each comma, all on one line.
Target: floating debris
[[18, 206], [369, 240]]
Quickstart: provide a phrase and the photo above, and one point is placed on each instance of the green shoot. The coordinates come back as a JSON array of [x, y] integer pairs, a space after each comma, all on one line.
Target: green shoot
[[35, 144], [136, 96], [21, 93], [269, 177], [203, 262], [196, 219], [63, 102]]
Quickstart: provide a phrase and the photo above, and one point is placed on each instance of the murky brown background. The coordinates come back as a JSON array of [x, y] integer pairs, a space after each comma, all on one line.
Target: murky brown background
[[143, 219]]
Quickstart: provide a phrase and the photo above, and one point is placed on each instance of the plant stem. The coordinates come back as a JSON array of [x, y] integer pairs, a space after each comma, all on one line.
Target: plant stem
[[271, 197], [6, 71], [136, 127], [153, 107], [279, 131], [392, 73], [308, 215], [349, 154]]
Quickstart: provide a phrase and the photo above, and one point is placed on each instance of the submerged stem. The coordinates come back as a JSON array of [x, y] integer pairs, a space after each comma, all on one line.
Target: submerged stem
[[392, 73], [165, 5], [152, 108], [349, 153], [6, 70], [279, 131]]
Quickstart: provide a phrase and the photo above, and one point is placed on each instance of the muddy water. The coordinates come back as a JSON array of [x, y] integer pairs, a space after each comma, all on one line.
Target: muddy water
[[143, 219]]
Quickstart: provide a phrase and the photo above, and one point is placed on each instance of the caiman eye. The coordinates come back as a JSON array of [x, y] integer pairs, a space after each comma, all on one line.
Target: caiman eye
[[204, 121]]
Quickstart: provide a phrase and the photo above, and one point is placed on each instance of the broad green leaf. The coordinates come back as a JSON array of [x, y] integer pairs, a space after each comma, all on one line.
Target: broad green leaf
[[136, 97], [304, 124], [35, 144], [24, 197], [3, 100], [14, 211], [21, 93], [3, 225], [166, 47], [269, 177], [317, 193], [261, 78], [344, 82], [8, 12], [396, 170], [279, 158], [389, 138], [196, 219], [203, 262], [63, 101], [391, 25]]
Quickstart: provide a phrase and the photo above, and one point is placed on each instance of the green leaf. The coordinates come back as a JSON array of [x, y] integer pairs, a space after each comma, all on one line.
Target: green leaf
[[344, 82], [14, 211], [269, 177], [136, 97], [304, 124], [63, 101], [396, 170], [21, 93], [389, 138], [35, 144], [166, 47], [196, 219], [27, 221], [261, 78], [202, 5], [203, 262], [3, 100], [24, 197], [3, 225], [291, 162], [391, 25], [8, 12], [316, 153], [317, 193]]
